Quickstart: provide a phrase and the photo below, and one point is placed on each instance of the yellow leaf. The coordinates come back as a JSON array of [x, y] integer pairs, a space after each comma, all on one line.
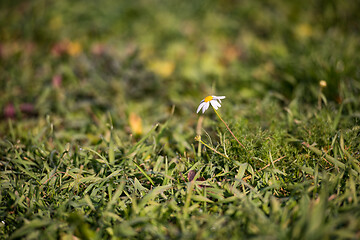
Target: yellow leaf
[[56, 23], [74, 48], [163, 68], [135, 124], [304, 30]]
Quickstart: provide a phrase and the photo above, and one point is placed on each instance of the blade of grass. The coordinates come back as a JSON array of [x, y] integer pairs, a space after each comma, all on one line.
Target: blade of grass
[[152, 194], [144, 173]]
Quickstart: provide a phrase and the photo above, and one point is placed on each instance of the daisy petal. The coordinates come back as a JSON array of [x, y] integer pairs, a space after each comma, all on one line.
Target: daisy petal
[[200, 106], [218, 97], [215, 107], [215, 104], [206, 106]]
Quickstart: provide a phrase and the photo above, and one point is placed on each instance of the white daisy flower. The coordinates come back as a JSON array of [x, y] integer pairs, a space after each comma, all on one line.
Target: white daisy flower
[[213, 100]]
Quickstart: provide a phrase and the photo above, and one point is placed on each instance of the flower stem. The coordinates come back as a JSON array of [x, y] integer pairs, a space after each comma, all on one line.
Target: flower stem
[[228, 127], [198, 138]]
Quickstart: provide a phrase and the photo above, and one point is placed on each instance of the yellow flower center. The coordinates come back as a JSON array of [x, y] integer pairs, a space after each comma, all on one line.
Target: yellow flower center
[[208, 98]]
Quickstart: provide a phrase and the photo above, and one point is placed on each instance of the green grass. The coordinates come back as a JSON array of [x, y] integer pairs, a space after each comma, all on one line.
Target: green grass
[[98, 122]]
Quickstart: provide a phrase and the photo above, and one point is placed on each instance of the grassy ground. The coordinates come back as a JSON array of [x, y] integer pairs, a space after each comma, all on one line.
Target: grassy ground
[[98, 120]]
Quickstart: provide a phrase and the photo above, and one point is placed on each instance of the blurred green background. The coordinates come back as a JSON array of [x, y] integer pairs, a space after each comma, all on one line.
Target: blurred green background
[[76, 57]]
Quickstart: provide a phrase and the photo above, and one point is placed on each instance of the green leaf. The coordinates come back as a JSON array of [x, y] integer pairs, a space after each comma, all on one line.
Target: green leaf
[[200, 198]]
